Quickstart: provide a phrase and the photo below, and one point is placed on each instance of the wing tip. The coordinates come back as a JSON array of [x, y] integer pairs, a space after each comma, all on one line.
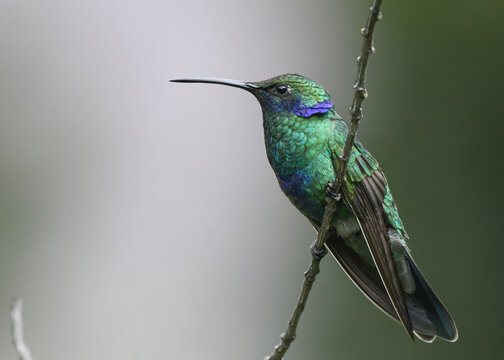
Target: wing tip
[[430, 338]]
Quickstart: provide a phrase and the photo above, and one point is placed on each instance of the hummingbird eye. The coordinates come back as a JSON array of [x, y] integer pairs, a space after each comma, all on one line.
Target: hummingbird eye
[[282, 89]]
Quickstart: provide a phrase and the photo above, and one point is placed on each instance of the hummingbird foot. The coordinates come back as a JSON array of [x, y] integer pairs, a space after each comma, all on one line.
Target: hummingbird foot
[[331, 191], [317, 254]]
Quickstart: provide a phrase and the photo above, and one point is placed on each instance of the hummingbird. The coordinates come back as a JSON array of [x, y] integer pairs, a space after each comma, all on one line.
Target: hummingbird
[[304, 138]]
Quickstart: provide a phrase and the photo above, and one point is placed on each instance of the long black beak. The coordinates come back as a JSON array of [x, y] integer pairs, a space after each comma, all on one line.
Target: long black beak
[[235, 83]]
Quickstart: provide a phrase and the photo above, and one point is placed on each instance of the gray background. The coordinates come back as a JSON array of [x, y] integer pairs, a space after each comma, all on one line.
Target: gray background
[[139, 218]]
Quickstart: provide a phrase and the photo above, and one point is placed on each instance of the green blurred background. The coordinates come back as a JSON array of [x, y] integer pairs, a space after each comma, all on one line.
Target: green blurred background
[[139, 218]]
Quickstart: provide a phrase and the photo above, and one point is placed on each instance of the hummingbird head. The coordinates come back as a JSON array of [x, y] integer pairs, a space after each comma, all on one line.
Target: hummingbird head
[[290, 94]]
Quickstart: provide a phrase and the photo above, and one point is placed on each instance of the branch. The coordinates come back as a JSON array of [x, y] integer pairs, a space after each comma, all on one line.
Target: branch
[[318, 248], [290, 334], [360, 92], [16, 312]]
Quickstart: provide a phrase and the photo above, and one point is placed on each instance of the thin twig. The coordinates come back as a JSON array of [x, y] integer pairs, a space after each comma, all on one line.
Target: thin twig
[[290, 334], [355, 116], [16, 312], [360, 92]]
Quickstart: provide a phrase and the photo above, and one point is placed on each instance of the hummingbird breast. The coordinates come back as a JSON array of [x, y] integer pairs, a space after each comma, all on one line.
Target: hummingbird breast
[[298, 152]]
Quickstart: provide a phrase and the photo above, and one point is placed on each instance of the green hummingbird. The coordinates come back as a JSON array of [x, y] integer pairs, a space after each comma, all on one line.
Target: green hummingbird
[[303, 135]]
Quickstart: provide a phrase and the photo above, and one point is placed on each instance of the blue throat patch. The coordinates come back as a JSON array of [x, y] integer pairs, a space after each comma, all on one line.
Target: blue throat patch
[[319, 108], [293, 105]]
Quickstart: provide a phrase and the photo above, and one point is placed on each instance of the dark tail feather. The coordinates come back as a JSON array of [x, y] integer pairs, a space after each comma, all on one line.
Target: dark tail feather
[[428, 315], [435, 310]]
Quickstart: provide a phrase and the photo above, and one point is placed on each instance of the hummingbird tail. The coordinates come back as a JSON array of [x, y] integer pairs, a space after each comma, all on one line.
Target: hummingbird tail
[[429, 318], [435, 310]]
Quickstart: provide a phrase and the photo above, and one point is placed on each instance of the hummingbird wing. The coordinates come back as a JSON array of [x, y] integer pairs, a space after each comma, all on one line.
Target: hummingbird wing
[[404, 295], [367, 205], [365, 190]]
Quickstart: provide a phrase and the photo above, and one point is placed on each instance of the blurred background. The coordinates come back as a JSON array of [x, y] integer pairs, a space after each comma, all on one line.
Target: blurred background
[[139, 219]]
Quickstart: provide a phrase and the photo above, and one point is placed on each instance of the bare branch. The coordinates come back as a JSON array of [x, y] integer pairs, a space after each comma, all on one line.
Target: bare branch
[[290, 334], [360, 92], [16, 312], [318, 247]]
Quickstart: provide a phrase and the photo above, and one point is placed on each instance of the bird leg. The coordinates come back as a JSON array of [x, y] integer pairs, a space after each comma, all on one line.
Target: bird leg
[[317, 254], [331, 191]]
